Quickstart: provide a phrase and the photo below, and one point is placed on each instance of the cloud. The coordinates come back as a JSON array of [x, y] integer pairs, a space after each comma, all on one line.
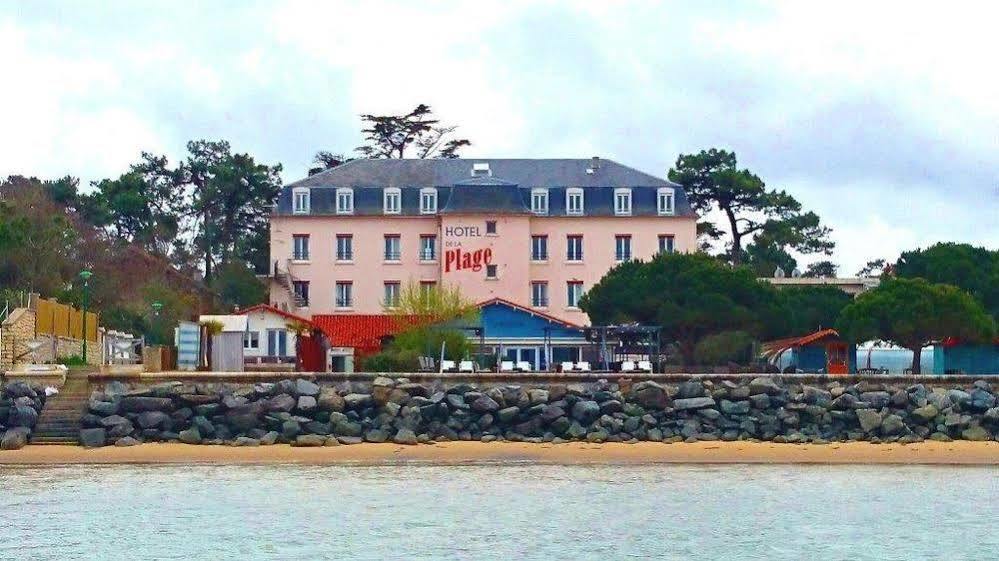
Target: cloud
[[882, 118]]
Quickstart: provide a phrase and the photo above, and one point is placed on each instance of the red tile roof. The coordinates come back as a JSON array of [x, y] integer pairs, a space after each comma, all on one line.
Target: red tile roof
[[780, 345], [278, 311], [363, 332]]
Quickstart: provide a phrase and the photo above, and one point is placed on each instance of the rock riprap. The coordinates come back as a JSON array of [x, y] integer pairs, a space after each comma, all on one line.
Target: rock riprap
[[304, 413], [20, 406]]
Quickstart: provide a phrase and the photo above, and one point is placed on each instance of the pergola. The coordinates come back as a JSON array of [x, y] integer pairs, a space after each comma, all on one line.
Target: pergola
[[628, 339]]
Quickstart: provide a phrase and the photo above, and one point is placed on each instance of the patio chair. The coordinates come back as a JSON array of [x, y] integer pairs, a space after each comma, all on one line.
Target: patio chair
[[506, 366], [448, 366], [524, 366], [466, 366], [583, 366], [645, 366], [628, 366], [567, 367]]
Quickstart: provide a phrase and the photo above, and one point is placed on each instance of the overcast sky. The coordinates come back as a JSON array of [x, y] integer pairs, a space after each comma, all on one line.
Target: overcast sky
[[882, 117]]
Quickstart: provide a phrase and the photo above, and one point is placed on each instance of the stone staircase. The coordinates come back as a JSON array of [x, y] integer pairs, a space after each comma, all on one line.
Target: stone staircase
[[59, 422]]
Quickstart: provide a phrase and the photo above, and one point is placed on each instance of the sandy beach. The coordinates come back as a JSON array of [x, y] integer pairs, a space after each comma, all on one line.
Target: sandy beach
[[941, 453]]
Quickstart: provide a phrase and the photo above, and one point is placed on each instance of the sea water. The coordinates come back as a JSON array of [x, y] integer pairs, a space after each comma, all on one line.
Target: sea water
[[499, 512]]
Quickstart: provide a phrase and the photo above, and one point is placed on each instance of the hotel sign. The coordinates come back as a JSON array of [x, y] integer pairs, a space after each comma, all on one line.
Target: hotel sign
[[458, 256]]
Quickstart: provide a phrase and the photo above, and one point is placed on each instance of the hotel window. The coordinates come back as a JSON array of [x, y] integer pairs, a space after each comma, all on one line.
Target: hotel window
[[392, 294], [428, 248], [344, 294], [490, 226], [539, 248], [344, 247], [539, 201], [300, 247], [539, 294], [301, 293], [428, 200], [622, 201], [574, 248], [251, 340], [490, 271], [391, 199], [622, 248], [664, 198], [393, 244], [574, 201], [427, 288], [666, 243], [574, 291], [301, 202], [345, 200]]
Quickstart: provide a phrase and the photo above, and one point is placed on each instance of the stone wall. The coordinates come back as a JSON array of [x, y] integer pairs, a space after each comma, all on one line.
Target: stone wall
[[19, 328], [301, 412], [15, 332]]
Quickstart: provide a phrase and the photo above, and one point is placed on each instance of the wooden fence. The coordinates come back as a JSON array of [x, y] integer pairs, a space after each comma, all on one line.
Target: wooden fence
[[61, 320]]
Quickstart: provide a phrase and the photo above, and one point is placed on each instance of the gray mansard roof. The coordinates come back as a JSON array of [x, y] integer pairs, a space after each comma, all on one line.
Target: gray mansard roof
[[507, 188]]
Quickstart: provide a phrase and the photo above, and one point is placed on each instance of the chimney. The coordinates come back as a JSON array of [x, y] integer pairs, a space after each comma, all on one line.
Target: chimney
[[594, 165]]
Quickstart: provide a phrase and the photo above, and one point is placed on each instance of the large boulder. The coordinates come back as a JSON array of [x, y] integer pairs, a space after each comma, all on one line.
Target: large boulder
[[926, 413], [138, 404], [357, 400], [104, 408], [307, 403], [22, 416], [764, 384], [693, 403], [976, 433], [127, 441], [870, 419], [15, 438], [405, 436], [586, 411], [305, 387], [18, 389], [485, 404], [650, 395], [93, 438], [309, 440], [154, 420], [330, 400], [690, 388], [190, 436]]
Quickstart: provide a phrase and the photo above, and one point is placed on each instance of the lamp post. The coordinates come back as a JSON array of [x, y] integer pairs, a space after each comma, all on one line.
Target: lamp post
[[157, 306], [85, 275]]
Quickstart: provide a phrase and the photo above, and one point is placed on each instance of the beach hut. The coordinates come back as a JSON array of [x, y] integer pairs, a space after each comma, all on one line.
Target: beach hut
[[820, 352], [953, 356], [227, 346]]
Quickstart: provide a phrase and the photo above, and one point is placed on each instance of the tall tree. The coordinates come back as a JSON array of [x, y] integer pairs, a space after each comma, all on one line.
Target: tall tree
[[38, 246], [821, 269], [141, 206], [229, 198], [974, 269], [324, 160], [691, 296], [765, 255], [914, 313], [392, 136], [811, 308], [713, 181], [873, 268]]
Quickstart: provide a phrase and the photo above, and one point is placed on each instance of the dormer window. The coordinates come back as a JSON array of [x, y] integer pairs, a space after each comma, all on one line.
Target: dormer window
[[428, 200], [345, 200], [574, 201], [665, 200], [622, 201], [392, 200], [539, 201], [301, 200], [481, 170]]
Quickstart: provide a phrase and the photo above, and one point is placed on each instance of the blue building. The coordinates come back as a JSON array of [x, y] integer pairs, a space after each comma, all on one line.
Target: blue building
[[516, 333], [954, 357]]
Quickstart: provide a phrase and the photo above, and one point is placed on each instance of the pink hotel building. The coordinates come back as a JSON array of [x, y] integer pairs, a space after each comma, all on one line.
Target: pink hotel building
[[534, 234]]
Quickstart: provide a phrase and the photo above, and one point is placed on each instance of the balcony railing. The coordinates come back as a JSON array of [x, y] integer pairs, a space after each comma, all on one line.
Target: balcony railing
[[345, 256], [393, 255], [427, 255]]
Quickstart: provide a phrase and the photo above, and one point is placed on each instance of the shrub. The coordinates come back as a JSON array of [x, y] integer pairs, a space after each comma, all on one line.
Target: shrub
[[725, 347]]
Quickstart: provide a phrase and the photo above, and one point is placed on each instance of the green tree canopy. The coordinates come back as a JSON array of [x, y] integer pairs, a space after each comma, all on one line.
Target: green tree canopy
[[392, 136], [913, 313], [811, 308], [237, 286], [974, 269], [690, 296], [713, 181]]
